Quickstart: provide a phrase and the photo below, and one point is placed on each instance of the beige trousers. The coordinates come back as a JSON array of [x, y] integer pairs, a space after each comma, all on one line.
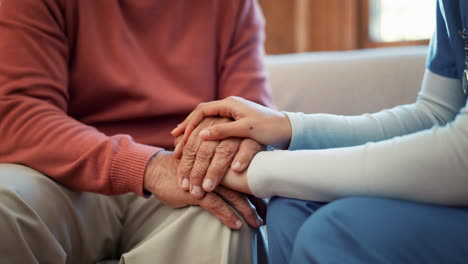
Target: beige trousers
[[44, 222]]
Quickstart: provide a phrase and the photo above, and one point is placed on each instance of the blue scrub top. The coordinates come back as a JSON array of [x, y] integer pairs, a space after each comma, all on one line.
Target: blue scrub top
[[446, 52]]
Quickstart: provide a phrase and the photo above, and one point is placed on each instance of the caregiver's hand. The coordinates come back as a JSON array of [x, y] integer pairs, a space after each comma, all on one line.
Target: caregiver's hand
[[251, 120], [237, 181]]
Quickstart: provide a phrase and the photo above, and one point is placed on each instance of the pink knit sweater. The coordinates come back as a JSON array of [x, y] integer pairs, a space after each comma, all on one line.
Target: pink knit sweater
[[89, 90]]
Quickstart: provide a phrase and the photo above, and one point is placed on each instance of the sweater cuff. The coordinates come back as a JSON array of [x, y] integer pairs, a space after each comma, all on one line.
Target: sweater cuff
[[128, 168]]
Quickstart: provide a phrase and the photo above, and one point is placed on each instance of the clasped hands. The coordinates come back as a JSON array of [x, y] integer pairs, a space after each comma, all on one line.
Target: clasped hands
[[206, 146], [193, 173]]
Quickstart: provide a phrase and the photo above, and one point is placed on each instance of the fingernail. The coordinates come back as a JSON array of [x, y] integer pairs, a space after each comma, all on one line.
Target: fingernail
[[205, 133], [238, 224], [185, 183], [196, 190], [237, 165], [207, 184]]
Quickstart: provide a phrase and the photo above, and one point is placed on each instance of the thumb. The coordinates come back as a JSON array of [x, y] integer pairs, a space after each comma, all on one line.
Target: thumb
[[226, 130]]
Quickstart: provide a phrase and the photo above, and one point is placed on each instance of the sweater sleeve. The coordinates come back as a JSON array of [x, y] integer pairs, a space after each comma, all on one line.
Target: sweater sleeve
[[34, 126], [242, 71], [426, 166]]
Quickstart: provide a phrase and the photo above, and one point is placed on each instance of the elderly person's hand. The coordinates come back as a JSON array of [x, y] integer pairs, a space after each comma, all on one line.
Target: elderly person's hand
[[204, 163], [161, 180]]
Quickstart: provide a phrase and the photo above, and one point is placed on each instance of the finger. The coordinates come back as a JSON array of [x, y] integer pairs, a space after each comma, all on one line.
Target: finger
[[188, 132], [222, 108], [189, 154], [220, 163], [182, 127], [221, 131], [205, 153], [177, 140], [219, 208], [203, 110], [179, 150], [178, 130], [247, 150], [194, 118], [242, 205], [261, 206]]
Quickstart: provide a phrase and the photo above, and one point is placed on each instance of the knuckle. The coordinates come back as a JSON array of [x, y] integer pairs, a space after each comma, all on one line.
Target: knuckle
[[231, 195], [190, 150], [185, 166], [209, 200], [217, 169], [226, 150], [216, 204], [196, 175], [183, 171], [199, 106], [233, 98], [205, 153]]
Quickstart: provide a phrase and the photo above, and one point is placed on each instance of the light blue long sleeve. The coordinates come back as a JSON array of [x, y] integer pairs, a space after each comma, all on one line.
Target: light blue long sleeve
[[409, 159], [437, 104]]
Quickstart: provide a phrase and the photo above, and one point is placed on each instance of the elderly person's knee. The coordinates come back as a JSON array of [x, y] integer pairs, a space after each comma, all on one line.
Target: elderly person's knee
[[24, 191]]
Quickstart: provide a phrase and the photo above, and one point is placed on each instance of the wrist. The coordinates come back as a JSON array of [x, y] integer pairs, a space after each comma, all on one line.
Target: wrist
[[154, 168], [284, 132]]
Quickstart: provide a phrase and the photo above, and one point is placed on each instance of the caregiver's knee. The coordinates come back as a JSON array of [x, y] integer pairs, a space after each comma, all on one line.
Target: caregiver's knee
[[339, 215], [339, 224]]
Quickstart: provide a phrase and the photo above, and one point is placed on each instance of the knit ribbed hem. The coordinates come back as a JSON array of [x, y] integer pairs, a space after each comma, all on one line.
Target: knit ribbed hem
[[128, 168]]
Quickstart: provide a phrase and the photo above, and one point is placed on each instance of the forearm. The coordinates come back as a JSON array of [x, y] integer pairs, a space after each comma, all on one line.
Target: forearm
[[41, 136], [437, 104], [429, 166]]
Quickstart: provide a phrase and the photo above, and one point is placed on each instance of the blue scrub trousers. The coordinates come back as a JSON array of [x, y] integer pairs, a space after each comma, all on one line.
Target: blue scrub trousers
[[366, 230]]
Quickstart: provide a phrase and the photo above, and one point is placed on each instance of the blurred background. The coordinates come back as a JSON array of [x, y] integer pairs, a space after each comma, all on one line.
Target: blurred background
[[332, 25]]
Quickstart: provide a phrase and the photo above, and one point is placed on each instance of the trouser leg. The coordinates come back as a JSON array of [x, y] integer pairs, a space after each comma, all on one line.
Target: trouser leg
[[155, 233], [43, 222], [372, 230], [285, 217]]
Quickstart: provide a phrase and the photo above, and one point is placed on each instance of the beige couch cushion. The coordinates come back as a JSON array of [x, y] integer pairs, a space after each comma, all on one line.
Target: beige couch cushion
[[346, 82]]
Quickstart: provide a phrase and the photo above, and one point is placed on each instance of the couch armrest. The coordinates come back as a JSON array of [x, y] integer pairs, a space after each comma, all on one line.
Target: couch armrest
[[346, 82]]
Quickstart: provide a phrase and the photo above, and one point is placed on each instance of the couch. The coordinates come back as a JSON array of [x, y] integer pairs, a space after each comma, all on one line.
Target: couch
[[346, 82]]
